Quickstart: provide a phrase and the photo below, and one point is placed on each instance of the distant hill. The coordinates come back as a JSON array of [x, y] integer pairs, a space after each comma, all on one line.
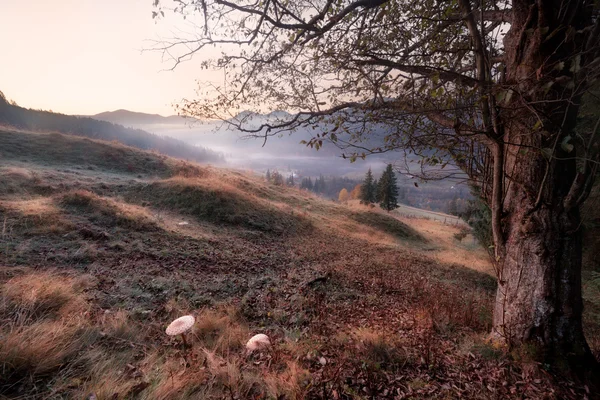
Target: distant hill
[[127, 118], [133, 118], [38, 120]]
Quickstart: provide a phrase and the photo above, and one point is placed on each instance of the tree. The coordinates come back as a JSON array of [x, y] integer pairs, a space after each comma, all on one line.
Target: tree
[[306, 183], [309, 184], [343, 196], [277, 178], [368, 191], [268, 176], [484, 90], [355, 193], [453, 206], [320, 186], [387, 190]]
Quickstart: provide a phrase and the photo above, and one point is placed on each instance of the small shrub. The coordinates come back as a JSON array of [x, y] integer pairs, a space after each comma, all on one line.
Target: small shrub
[[460, 235]]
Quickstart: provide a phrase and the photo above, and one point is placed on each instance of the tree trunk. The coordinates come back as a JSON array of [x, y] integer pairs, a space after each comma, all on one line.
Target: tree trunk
[[539, 301], [539, 304]]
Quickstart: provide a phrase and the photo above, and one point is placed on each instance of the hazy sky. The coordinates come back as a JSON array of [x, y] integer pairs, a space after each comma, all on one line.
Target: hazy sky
[[84, 57]]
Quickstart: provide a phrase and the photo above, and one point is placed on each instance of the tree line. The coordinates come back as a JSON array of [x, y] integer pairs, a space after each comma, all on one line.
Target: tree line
[[328, 186]]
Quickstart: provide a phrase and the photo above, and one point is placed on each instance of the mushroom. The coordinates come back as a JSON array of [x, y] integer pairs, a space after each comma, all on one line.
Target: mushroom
[[180, 326], [258, 342]]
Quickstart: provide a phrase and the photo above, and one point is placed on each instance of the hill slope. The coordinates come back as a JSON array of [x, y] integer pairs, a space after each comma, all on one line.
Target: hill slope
[[97, 258], [45, 121]]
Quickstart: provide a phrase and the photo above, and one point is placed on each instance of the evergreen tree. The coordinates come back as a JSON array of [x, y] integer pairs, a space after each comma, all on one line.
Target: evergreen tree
[[388, 190], [375, 191], [368, 189], [268, 176], [310, 184], [319, 186]]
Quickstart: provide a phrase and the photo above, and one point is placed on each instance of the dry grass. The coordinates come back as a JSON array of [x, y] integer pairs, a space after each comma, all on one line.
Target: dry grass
[[221, 331], [44, 326], [107, 212], [215, 200], [40, 215], [37, 349], [379, 348], [290, 383], [40, 295], [445, 248]]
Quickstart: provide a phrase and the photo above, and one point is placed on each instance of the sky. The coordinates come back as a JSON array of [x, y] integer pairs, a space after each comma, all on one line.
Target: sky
[[84, 57]]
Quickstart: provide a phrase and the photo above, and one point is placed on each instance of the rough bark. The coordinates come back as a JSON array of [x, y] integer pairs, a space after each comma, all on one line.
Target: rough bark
[[539, 301]]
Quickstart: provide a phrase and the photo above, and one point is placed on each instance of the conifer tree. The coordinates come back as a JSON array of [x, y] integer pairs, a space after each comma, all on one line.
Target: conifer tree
[[388, 190], [368, 189], [268, 176]]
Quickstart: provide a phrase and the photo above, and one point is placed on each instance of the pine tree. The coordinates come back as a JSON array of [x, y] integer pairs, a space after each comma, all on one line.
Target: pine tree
[[268, 176], [388, 190], [376, 196], [319, 186], [309, 185], [368, 189]]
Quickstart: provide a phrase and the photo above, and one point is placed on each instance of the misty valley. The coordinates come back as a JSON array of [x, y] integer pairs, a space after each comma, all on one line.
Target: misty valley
[[353, 199]]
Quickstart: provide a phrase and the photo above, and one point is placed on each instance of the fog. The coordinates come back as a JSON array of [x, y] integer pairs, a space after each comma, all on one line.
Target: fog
[[283, 152]]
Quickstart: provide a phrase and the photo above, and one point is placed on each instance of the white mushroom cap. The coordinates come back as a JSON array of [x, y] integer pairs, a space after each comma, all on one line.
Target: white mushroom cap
[[257, 342], [180, 325]]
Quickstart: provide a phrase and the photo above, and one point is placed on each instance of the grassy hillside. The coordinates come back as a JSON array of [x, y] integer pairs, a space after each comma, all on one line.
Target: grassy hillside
[[102, 246]]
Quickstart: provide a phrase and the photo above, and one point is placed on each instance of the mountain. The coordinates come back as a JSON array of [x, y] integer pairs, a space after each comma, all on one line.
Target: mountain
[[134, 118], [131, 118], [45, 121]]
